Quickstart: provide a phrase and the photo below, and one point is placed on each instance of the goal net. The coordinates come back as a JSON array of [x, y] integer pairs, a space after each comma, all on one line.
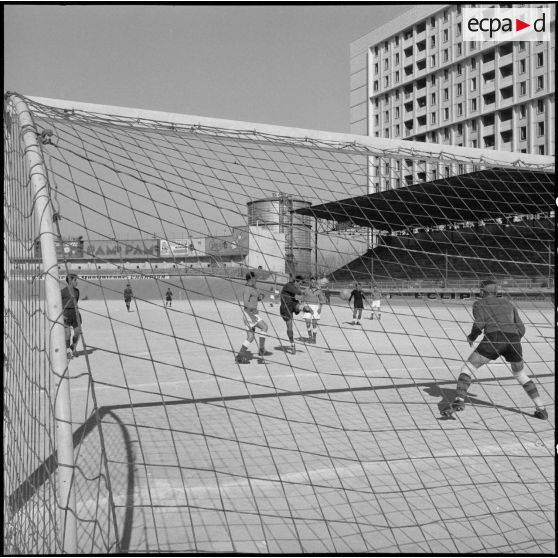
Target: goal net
[[152, 435]]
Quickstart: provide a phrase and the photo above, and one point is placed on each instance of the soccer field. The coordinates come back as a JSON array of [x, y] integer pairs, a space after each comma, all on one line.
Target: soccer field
[[339, 448]]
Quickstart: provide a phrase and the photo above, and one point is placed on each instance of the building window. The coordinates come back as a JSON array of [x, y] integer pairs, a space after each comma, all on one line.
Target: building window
[[446, 55], [433, 118], [446, 35], [446, 94], [473, 105], [446, 113], [541, 149], [433, 22], [540, 83], [397, 76], [522, 66], [376, 69], [396, 112], [433, 60], [523, 88], [432, 41], [522, 112], [459, 49], [540, 129], [473, 84], [523, 133], [459, 109], [540, 106], [433, 79], [386, 99], [474, 143], [473, 125], [386, 64], [433, 99], [397, 130], [376, 120], [376, 50], [396, 40], [397, 59], [376, 102], [458, 9], [386, 133], [473, 63], [376, 85], [445, 16], [386, 115], [459, 69], [386, 45], [446, 133], [521, 47], [446, 75], [397, 94], [386, 81], [458, 29], [459, 90], [473, 45]]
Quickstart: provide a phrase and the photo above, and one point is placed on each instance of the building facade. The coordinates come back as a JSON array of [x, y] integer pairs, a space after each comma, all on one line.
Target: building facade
[[416, 79]]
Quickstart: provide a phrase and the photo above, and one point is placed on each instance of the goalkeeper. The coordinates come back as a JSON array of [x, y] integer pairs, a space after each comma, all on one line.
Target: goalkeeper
[[503, 330], [252, 320], [290, 305], [72, 317]]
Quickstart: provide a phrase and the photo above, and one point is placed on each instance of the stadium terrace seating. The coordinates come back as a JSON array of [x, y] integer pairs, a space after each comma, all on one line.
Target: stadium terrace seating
[[519, 250]]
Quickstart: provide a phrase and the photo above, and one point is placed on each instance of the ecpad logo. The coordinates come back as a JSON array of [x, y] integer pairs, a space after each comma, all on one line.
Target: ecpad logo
[[506, 24]]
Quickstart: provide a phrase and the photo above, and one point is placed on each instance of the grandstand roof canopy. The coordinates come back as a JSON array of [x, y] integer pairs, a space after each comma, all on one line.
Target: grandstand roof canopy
[[476, 196]]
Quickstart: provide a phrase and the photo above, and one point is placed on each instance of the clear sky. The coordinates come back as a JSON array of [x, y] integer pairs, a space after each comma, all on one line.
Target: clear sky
[[284, 64]]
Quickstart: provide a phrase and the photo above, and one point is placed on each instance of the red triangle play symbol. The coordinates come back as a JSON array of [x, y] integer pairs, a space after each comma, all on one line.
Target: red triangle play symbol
[[519, 25]]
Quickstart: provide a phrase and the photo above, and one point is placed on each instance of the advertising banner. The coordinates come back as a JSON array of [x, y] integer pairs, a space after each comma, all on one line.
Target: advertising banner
[[122, 249], [182, 247], [235, 244]]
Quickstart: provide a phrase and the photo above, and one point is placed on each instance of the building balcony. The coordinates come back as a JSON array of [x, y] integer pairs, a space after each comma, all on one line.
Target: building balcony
[[506, 59], [506, 126], [488, 66]]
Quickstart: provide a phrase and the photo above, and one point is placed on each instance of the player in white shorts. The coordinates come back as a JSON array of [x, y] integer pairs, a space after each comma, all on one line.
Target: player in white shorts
[[314, 299], [376, 297], [252, 319]]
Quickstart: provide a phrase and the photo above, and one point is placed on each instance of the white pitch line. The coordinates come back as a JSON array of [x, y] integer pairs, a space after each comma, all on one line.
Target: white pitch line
[[277, 377], [168, 491]]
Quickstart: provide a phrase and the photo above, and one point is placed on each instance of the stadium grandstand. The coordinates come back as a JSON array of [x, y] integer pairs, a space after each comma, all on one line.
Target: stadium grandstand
[[431, 235]]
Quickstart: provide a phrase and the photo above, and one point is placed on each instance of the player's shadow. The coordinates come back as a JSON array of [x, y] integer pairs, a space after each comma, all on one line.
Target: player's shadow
[[449, 394], [302, 339], [87, 351], [286, 349]]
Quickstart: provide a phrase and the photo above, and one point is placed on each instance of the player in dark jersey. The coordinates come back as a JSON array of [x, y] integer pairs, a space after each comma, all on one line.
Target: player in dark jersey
[[168, 297], [359, 297], [290, 306], [503, 329], [72, 317], [128, 295]]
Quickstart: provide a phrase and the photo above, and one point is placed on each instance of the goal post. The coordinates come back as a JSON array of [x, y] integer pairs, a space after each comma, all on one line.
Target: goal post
[[34, 180], [180, 427]]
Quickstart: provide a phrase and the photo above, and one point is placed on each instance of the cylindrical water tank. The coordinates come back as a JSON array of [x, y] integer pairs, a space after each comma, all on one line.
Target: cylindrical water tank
[[276, 215]]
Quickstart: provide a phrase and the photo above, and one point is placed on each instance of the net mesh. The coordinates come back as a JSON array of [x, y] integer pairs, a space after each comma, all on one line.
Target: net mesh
[[336, 448]]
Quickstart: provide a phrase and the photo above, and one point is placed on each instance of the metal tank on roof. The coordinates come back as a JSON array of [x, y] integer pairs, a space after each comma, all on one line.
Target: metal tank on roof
[[276, 215]]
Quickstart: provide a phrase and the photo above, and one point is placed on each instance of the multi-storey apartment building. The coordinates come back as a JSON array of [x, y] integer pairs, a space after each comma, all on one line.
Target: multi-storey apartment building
[[415, 78]]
